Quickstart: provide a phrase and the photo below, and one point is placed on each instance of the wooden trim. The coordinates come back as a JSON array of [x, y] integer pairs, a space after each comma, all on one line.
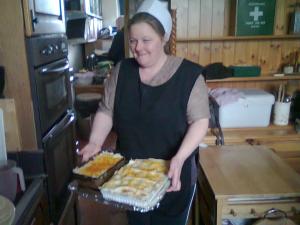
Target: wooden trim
[[239, 38], [260, 78]]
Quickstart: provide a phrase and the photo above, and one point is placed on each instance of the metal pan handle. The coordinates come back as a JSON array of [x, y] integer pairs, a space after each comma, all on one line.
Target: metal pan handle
[[59, 127], [55, 70]]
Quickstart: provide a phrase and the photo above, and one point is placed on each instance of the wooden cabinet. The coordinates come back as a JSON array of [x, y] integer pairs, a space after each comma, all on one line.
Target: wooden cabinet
[[244, 182]]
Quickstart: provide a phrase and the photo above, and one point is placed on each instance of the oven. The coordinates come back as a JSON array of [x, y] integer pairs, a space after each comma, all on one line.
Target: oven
[[51, 90], [60, 160], [43, 17]]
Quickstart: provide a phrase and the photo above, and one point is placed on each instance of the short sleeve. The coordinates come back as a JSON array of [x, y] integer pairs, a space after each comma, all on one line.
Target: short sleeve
[[106, 104], [198, 106]]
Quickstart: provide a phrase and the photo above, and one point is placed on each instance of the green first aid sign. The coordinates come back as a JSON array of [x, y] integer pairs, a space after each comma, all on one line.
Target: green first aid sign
[[255, 17]]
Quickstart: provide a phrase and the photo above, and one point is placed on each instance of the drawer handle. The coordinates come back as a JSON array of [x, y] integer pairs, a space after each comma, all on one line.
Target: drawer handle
[[253, 212], [275, 212], [232, 212], [294, 210]]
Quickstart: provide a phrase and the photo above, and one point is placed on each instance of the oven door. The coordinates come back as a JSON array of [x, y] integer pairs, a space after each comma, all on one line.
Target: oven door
[[53, 93], [60, 150], [44, 17]]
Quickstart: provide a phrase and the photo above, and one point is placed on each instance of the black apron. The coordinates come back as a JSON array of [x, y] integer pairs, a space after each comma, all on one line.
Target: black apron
[[151, 122]]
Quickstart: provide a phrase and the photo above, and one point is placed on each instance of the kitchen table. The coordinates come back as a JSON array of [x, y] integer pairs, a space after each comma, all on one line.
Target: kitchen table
[[244, 181]]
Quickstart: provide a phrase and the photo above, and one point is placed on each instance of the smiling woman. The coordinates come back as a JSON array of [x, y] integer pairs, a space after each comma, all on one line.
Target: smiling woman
[[158, 107]]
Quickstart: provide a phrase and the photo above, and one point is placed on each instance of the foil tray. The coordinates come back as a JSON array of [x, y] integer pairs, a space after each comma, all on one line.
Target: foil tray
[[96, 196]]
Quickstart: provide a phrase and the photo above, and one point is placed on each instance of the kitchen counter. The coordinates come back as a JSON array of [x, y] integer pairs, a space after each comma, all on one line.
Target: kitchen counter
[[244, 182], [284, 140]]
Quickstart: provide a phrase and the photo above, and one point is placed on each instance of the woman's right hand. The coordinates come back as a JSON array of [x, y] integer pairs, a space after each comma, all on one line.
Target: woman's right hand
[[89, 150]]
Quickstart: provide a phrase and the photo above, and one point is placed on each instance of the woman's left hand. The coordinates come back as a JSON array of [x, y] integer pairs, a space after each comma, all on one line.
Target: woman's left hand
[[174, 173]]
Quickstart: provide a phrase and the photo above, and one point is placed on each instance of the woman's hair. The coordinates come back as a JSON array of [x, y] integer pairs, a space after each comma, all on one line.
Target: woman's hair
[[150, 20], [153, 22]]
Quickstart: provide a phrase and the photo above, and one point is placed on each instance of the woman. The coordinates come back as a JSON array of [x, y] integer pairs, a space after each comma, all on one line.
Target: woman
[[158, 106]]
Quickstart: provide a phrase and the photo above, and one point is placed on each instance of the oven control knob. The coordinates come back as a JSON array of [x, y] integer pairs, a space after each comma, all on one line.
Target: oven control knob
[[56, 47], [50, 49]]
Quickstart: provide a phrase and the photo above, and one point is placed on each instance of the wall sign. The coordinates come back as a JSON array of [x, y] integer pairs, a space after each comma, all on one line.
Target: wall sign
[[255, 17]]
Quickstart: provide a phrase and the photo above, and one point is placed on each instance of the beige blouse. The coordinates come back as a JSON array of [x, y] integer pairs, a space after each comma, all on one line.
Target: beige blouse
[[198, 102]]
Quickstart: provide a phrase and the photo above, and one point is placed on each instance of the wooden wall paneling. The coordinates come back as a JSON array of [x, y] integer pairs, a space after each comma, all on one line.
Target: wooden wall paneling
[[264, 56], [193, 29], [181, 7], [205, 53], [182, 50], [218, 15], [228, 53], [216, 52], [206, 18], [275, 57], [246, 53], [289, 48], [280, 18]]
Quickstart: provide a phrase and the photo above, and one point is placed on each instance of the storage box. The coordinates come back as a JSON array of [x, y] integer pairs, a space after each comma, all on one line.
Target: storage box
[[253, 17], [246, 71], [252, 110]]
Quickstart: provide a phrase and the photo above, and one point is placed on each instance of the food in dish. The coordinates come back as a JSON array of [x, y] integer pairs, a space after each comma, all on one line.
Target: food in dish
[[100, 164], [140, 183]]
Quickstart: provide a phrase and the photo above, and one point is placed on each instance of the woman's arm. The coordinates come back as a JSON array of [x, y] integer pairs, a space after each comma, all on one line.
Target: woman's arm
[[194, 136], [103, 119], [101, 127]]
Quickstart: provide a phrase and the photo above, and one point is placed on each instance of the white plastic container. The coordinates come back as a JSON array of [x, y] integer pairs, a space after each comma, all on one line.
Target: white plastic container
[[252, 110]]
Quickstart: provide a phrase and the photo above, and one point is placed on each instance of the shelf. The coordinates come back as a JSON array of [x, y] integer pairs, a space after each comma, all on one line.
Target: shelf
[[78, 41], [94, 88], [239, 38], [240, 135], [78, 14], [260, 78]]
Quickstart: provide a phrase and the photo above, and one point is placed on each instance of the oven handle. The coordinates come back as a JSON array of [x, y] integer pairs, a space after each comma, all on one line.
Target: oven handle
[[56, 70], [58, 128]]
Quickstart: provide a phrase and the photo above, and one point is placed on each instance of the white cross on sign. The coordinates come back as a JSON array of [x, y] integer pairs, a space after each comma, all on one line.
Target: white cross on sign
[[256, 13]]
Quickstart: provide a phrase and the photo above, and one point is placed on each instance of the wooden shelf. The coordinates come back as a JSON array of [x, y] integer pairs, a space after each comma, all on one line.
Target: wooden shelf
[[260, 78], [239, 38], [240, 135], [89, 88]]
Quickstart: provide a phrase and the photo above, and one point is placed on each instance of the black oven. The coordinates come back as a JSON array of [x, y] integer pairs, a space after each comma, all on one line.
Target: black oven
[[51, 90], [50, 81], [59, 148]]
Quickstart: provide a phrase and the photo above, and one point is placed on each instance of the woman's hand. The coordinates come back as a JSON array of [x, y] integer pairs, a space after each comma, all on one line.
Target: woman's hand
[[89, 150], [174, 173]]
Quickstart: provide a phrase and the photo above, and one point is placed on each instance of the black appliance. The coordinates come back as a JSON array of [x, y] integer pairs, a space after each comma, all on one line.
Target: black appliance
[[51, 90], [2, 81]]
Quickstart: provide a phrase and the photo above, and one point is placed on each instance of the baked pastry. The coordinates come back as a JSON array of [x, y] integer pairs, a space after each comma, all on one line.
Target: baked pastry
[[141, 183], [100, 164]]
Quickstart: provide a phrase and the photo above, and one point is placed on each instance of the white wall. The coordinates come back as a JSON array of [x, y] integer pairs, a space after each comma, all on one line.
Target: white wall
[[110, 12]]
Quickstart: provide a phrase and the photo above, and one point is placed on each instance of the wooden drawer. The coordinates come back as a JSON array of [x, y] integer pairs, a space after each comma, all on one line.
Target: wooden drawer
[[258, 209]]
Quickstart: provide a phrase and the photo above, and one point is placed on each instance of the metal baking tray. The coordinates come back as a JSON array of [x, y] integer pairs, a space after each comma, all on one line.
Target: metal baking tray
[[95, 183], [96, 196]]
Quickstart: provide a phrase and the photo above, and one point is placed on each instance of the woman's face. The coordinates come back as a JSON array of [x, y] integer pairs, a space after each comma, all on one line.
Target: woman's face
[[146, 45]]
